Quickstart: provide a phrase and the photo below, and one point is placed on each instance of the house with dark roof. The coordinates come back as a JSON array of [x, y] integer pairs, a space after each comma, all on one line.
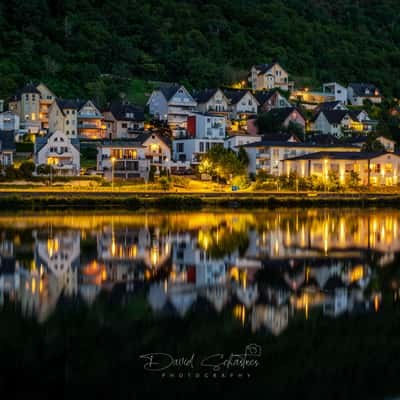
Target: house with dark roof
[[269, 76], [7, 148], [211, 101], [31, 103], [241, 104], [269, 99], [26, 104], [63, 116], [123, 120], [268, 155], [171, 102], [331, 105], [377, 168], [357, 93], [77, 118], [59, 151], [335, 122]]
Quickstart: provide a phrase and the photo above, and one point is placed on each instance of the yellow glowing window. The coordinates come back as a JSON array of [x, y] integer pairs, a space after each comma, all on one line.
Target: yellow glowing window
[[388, 167], [33, 117]]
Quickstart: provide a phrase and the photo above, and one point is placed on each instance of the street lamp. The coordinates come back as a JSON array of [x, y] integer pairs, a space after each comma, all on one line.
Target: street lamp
[[112, 173]]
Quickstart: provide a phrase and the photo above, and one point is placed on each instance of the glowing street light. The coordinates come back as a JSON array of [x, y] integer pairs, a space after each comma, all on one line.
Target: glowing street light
[[112, 173]]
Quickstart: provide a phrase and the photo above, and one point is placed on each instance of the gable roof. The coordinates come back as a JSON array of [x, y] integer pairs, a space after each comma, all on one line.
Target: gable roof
[[234, 96], [264, 96], [363, 89], [120, 110], [279, 136], [169, 89], [339, 155], [334, 116], [329, 105], [263, 68], [7, 142], [146, 135], [68, 104], [202, 96], [41, 141], [28, 88]]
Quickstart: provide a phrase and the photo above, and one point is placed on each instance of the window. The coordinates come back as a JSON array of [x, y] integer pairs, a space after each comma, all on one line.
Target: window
[[67, 132], [67, 111], [317, 167], [180, 147], [67, 122], [201, 147], [27, 97], [124, 125]]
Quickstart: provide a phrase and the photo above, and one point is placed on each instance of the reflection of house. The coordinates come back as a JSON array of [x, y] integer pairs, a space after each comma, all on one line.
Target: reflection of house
[[59, 151], [59, 254], [274, 318]]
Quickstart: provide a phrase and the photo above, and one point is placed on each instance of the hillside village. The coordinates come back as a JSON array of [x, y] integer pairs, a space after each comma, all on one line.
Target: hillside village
[[283, 131]]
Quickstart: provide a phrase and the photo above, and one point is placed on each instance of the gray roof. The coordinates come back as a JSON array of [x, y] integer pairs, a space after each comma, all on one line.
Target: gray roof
[[277, 143], [202, 96], [329, 105], [169, 89], [29, 88], [363, 89], [119, 110], [7, 142], [263, 68], [334, 116], [263, 97], [41, 141], [339, 155]]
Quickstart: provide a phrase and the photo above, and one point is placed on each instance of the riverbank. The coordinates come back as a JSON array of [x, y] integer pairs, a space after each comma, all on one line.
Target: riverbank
[[195, 201]]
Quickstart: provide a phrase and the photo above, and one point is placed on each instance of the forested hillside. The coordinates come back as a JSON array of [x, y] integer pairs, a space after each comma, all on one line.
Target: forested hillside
[[69, 44]]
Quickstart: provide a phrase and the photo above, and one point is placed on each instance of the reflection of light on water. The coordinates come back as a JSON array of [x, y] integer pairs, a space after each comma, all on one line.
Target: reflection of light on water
[[376, 303], [239, 312]]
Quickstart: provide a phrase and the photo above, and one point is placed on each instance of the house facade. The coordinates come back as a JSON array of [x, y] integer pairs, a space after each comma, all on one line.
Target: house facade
[[9, 121], [338, 91], [63, 116], [269, 76], [203, 132], [211, 101], [172, 103], [357, 93], [377, 169], [122, 160], [157, 150], [26, 104], [90, 122], [268, 155], [47, 98], [241, 104], [123, 120], [59, 151]]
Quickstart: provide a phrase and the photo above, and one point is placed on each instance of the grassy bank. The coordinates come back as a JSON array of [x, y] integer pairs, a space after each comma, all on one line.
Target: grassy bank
[[185, 202]]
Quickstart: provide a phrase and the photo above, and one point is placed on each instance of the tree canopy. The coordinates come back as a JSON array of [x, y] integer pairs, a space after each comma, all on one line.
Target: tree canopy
[[90, 48]]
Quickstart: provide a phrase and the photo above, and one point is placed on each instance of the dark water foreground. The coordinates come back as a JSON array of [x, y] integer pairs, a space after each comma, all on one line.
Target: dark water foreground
[[300, 303]]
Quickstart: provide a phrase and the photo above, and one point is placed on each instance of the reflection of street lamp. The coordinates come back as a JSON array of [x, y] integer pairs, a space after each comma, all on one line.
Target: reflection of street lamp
[[112, 173]]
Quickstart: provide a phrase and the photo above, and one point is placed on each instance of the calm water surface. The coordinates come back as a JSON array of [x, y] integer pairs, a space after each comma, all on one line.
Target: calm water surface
[[269, 277]]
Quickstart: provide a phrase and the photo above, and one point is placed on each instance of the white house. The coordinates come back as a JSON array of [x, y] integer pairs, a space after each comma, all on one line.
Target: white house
[[242, 104], [271, 99], [9, 121], [123, 160], [269, 76], [211, 101], [339, 91], [357, 93], [63, 116], [334, 122], [268, 155], [59, 151], [203, 132], [172, 103]]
